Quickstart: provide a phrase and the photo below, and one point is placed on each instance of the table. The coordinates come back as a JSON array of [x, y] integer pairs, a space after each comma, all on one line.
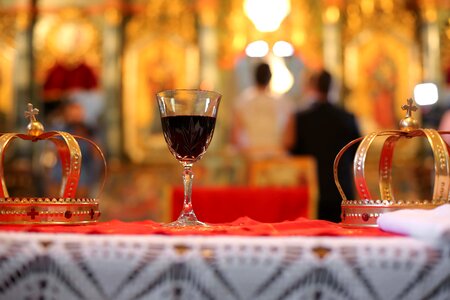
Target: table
[[192, 265]]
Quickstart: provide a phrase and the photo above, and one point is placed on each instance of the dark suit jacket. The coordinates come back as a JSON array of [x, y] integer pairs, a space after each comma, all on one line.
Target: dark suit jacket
[[322, 131]]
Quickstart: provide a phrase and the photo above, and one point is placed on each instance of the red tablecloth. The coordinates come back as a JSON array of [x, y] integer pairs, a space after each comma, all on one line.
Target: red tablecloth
[[240, 227], [226, 204]]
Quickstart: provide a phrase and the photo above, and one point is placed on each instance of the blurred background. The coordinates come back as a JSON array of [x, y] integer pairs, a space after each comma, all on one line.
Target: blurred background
[[92, 67]]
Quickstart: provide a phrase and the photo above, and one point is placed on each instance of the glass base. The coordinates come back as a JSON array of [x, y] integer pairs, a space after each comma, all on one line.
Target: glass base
[[186, 223], [189, 220]]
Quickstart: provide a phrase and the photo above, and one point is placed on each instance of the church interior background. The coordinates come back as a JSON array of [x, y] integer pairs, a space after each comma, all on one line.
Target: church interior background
[[113, 55]]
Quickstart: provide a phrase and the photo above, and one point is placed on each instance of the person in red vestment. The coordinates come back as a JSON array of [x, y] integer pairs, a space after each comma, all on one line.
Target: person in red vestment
[[64, 78]]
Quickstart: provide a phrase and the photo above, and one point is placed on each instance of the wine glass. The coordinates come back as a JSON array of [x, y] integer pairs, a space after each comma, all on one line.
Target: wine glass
[[188, 118]]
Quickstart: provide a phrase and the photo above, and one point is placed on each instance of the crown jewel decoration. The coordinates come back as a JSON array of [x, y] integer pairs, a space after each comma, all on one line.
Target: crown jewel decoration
[[366, 210], [63, 209]]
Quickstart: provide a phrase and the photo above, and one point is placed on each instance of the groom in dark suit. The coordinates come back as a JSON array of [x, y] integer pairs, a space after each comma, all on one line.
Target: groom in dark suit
[[322, 131]]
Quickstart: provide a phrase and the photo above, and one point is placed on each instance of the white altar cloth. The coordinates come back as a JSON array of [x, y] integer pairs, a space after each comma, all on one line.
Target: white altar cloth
[[74, 266]]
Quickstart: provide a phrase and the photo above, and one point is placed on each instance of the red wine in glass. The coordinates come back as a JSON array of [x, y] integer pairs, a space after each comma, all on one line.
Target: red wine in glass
[[188, 137], [188, 118]]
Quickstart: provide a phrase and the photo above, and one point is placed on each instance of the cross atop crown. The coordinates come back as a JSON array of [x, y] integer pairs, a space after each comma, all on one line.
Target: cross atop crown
[[35, 128], [410, 107], [31, 112]]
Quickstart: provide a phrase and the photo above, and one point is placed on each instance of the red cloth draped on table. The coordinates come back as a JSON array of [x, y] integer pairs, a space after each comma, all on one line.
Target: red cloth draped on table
[[240, 227], [226, 204]]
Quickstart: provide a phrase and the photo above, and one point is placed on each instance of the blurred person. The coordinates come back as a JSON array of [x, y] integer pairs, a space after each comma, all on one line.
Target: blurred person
[[63, 78], [322, 131], [259, 118], [92, 102], [74, 122], [444, 123]]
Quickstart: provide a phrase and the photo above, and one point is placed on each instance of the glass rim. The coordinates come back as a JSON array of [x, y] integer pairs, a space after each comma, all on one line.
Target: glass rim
[[163, 93]]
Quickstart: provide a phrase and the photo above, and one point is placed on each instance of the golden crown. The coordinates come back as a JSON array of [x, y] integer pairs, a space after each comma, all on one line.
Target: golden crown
[[366, 210], [65, 209]]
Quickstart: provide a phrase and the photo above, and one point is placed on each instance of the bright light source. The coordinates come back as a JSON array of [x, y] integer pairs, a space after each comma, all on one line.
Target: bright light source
[[282, 79], [332, 14], [257, 49], [283, 49], [267, 15], [425, 93]]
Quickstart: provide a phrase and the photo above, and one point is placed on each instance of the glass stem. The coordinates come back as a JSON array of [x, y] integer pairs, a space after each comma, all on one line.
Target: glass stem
[[188, 176]]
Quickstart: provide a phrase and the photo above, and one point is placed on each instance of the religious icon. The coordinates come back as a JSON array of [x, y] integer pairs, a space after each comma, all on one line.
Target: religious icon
[[382, 88], [152, 64], [68, 57]]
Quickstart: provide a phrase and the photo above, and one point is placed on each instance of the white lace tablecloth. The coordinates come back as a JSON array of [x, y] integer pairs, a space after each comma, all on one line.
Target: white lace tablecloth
[[71, 266]]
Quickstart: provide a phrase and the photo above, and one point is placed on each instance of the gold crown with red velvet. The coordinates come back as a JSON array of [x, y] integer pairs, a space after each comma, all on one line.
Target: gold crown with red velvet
[[366, 210], [64, 209]]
